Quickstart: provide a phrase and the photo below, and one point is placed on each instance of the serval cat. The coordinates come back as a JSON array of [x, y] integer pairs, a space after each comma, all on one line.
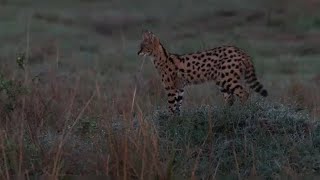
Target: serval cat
[[225, 65]]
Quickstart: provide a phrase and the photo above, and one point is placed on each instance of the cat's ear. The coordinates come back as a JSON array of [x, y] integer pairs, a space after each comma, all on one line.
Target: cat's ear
[[146, 35], [155, 39]]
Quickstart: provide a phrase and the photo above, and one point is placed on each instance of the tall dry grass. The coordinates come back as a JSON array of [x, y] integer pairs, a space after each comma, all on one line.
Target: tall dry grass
[[60, 126]]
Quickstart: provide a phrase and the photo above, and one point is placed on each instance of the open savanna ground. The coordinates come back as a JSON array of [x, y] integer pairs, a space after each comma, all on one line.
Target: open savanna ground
[[73, 100]]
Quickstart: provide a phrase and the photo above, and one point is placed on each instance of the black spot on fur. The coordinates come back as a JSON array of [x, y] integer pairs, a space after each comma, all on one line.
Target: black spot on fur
[[264, 93], [171, 101], [223, 90], [258, 89], [252, 80], [228, 87], [179, 98], [254, 85], [236, 87], [223, 83]]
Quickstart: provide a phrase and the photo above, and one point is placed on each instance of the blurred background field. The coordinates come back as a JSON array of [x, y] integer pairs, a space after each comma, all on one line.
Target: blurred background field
[[69, 110]]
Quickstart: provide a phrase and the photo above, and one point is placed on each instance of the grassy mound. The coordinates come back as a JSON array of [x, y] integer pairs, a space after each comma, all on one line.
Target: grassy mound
[[258, 139]]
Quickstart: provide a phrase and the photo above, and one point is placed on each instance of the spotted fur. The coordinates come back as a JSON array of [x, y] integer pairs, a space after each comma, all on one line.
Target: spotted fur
[[227, 66]]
